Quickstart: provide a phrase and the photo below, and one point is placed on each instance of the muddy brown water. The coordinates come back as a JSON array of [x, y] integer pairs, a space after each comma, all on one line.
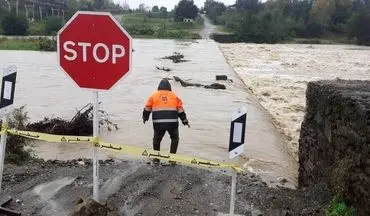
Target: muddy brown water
[[47, 91]]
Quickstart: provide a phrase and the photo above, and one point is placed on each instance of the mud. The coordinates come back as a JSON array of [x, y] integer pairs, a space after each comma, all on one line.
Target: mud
[[137, 188]]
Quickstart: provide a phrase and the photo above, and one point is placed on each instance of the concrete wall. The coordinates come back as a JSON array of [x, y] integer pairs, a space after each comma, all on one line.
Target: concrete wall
[[334, 144]]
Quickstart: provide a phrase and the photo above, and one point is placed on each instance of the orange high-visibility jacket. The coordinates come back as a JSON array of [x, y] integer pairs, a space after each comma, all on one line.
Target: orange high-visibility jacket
[[165, 106]]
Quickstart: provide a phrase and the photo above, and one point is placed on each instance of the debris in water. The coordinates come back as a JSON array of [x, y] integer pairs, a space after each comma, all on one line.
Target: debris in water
[[81, 163], [215, 86], [80, 125], [163, 68], [282, 181], [176, 57], [221, 77], [187, 84]]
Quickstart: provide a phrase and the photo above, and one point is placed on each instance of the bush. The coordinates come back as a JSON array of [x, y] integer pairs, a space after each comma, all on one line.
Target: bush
[[53, 25], [13, 25], [338, 208], [137, 29], [359, 27], [37, 28], [15, 152], [47, 44]]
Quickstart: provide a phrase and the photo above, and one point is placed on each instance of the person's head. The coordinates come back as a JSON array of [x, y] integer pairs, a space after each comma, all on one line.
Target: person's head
[[164, 85]]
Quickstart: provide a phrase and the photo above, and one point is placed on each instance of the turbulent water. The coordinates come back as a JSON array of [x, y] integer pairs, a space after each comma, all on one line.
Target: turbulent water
[[278, 76], [48, 92]]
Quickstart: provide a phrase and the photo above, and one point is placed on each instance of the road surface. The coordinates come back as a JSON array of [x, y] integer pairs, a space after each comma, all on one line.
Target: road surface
[[208, 28]]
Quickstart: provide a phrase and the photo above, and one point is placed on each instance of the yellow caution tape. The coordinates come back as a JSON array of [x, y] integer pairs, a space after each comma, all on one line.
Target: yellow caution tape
[[135, 151], [50, 137], [141, 152]]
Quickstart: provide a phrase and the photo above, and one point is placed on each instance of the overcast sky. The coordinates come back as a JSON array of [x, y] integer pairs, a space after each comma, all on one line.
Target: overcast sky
[[170, 4]]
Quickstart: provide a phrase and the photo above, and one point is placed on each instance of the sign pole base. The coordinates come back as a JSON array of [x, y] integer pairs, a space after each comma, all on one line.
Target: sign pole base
[[95, 153], [3, 148], [233, 192]]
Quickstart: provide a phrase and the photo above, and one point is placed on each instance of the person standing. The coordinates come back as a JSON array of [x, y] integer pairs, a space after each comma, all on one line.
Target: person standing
[[166, 107]]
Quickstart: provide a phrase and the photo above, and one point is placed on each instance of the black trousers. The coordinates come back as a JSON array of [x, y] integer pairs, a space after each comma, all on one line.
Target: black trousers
[[159, 134]]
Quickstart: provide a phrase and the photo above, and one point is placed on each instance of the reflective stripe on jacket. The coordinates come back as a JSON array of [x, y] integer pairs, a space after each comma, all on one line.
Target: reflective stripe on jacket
[[165, 107]]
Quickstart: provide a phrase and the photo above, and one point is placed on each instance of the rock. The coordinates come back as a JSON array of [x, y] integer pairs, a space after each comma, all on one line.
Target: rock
[[266, 94], [93, 208], [334, 140], [239, 191], [282, 180], [18, 201], [221, 77], [78, 201]]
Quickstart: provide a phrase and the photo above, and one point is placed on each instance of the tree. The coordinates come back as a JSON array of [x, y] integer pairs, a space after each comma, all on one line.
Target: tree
[[214, 9], [53, 25], [155, 9], [186, 9], [14, 25], [126, 7], [248, 5], [359, 27], [341, 15], [99, 4], [142, 7], [163, 9]]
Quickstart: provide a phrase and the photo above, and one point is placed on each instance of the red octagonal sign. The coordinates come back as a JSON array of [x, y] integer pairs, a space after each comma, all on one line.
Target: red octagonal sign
[[94, 50]]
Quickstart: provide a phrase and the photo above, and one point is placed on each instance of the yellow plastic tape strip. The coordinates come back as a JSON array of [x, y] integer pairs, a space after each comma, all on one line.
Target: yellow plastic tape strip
[[135, 151], [141, 152], [4, 129], [50, 137]]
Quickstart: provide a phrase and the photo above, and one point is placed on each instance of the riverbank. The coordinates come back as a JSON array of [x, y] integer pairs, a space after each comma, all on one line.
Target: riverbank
[[37, 43], [137, 188], [157, 26], [278, 74]]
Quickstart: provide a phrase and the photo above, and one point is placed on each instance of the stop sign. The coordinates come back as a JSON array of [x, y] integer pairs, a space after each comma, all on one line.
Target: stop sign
[[94, 50]]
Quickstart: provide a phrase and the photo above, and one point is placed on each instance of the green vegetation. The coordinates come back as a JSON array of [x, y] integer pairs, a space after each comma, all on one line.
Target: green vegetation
[[157, 23], [42, 44], [186, 9], [15, 148], [53, 25], [147, 25], [339, 208], [14, 25], [275, 21]]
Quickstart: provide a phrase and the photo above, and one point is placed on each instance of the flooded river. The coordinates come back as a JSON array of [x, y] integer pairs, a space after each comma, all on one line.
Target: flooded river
[[47, 91]]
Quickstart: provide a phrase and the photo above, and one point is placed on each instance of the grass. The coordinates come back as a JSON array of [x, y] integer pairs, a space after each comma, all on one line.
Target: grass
[[145, 26], [39, 44], [224, 30], [19, 44], [339, 208]]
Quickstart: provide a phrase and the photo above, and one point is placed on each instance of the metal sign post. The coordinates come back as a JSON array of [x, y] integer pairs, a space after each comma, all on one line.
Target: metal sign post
[[6, 100], [95, 61], [95, 154], [236, 147]]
